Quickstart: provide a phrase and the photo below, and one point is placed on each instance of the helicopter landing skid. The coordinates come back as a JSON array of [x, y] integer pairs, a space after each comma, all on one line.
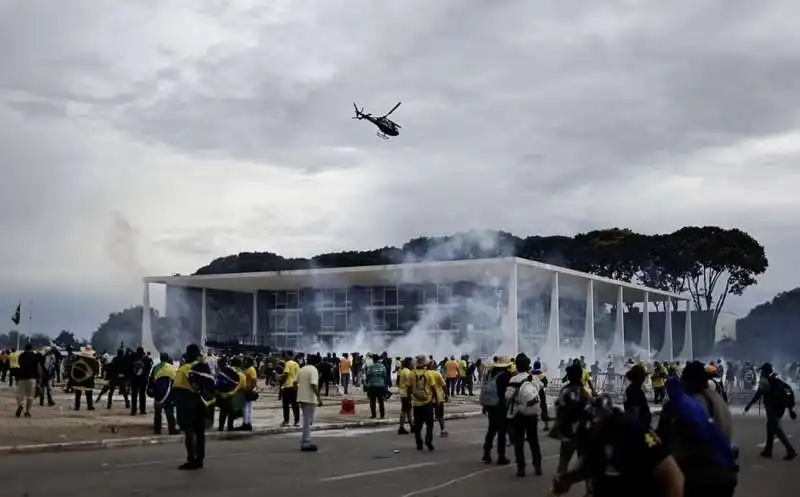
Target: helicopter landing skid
[[381, 135]]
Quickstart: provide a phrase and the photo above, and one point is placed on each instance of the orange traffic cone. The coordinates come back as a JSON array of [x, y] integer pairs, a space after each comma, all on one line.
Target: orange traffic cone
[[348, 407]]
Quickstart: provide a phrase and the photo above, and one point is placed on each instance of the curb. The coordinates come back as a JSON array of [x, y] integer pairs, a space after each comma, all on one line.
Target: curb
[[115, 443]]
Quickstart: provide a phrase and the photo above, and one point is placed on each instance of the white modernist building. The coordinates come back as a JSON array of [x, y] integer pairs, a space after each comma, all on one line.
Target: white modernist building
[[514, 276]]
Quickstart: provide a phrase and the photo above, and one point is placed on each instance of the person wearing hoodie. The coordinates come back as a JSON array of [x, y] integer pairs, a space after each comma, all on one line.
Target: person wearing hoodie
[[523, 401]]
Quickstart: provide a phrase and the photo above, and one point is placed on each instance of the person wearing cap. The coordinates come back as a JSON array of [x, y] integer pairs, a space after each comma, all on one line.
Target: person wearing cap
[[635, 404], [423, 397], [439, 388], [772, 391], [498, 424]]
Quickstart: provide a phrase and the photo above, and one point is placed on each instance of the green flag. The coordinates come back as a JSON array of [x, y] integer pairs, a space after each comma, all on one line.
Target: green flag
[[15, 318]]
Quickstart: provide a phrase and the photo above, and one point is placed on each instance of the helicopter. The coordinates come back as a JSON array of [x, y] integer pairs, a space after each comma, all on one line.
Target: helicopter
[[386, 127]]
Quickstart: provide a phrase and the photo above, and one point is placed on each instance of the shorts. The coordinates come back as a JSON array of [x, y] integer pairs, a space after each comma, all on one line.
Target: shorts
[[26, 389]]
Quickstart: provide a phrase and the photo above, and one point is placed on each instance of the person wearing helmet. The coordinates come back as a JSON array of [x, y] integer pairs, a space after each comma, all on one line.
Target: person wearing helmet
[[619, 457]]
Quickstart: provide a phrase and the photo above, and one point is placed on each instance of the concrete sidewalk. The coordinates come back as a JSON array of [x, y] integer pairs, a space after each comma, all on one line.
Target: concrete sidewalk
[[61, 428]]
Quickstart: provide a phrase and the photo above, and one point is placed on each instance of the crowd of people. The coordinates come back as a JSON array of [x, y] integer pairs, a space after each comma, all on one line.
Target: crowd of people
[[619, 451]]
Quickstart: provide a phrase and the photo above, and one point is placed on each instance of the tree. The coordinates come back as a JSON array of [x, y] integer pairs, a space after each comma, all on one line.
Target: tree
[[664, 265], [719, 263], [613, 253], [770, 330], [66, 339]]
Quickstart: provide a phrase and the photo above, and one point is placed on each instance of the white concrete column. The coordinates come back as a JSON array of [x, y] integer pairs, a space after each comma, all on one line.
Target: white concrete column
[[147, 323], [255, 317], [646, 325], [203, 320], [509, 324], [689, 345], [587, 346], [667, 353], [514, 302], [619, 331], [554, 333], [668, 343]]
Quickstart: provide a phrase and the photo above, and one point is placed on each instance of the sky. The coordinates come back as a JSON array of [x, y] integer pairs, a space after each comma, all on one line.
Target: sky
[[151, 137]]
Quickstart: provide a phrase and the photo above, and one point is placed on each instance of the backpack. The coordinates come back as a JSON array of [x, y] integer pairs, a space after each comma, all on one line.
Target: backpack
[[420, 390], [523, 398], [783, 392], [489, 395]]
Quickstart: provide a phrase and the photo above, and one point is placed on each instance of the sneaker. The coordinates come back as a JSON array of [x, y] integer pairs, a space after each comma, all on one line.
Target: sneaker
[[308, 448], [790, 456], [402, 431], [444, 433], [27, 415], [503, 461], [19, 412], [190, 466], [429, 446]]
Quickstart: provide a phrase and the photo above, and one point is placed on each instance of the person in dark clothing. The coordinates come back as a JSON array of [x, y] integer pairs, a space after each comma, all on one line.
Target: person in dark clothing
[[116, 373], [325, 368], [572, 396], [498, 424], [524, 414], [619, 457], [28, 374], [193, 390], [139, 374], [635, 404], [777, 401]]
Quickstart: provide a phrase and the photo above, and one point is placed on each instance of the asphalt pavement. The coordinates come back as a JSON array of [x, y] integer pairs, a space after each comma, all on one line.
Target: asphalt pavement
[[361, 461]]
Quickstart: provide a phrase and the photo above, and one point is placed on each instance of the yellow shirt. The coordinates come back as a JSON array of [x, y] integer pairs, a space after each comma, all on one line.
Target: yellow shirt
[[452, 369], [165, 370], [512, 369], [417, 375], [291, 369], [462, 368], [13, 360], [251, 377], [182, 376], [438, 385], [344, 366], [404, 382]]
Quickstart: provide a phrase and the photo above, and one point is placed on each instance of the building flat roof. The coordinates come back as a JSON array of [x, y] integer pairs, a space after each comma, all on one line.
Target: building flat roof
[[484, 271]]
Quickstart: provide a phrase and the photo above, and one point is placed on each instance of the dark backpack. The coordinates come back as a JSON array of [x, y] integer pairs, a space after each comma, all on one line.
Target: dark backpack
[[783, 393]]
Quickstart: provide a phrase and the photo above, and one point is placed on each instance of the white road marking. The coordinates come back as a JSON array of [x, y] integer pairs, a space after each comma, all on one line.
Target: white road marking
[[379, 471], [462, 478]]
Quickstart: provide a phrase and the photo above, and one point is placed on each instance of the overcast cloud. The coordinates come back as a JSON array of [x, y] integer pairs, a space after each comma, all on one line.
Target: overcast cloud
[[152, 136]]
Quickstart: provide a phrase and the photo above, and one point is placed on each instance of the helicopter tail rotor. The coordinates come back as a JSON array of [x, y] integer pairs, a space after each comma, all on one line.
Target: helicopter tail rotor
[[359, 113]]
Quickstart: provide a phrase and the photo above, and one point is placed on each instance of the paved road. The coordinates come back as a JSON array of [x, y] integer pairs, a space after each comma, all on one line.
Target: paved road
[[356, 459]]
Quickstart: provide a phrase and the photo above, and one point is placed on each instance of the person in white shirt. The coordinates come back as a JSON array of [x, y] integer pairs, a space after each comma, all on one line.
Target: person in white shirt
[[308, 398]]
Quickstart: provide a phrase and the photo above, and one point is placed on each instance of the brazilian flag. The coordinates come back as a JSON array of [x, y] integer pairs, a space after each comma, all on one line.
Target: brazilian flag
[[16, 317]]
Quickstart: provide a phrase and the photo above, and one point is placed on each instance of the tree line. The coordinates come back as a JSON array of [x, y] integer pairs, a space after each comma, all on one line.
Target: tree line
[[708, 263]]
